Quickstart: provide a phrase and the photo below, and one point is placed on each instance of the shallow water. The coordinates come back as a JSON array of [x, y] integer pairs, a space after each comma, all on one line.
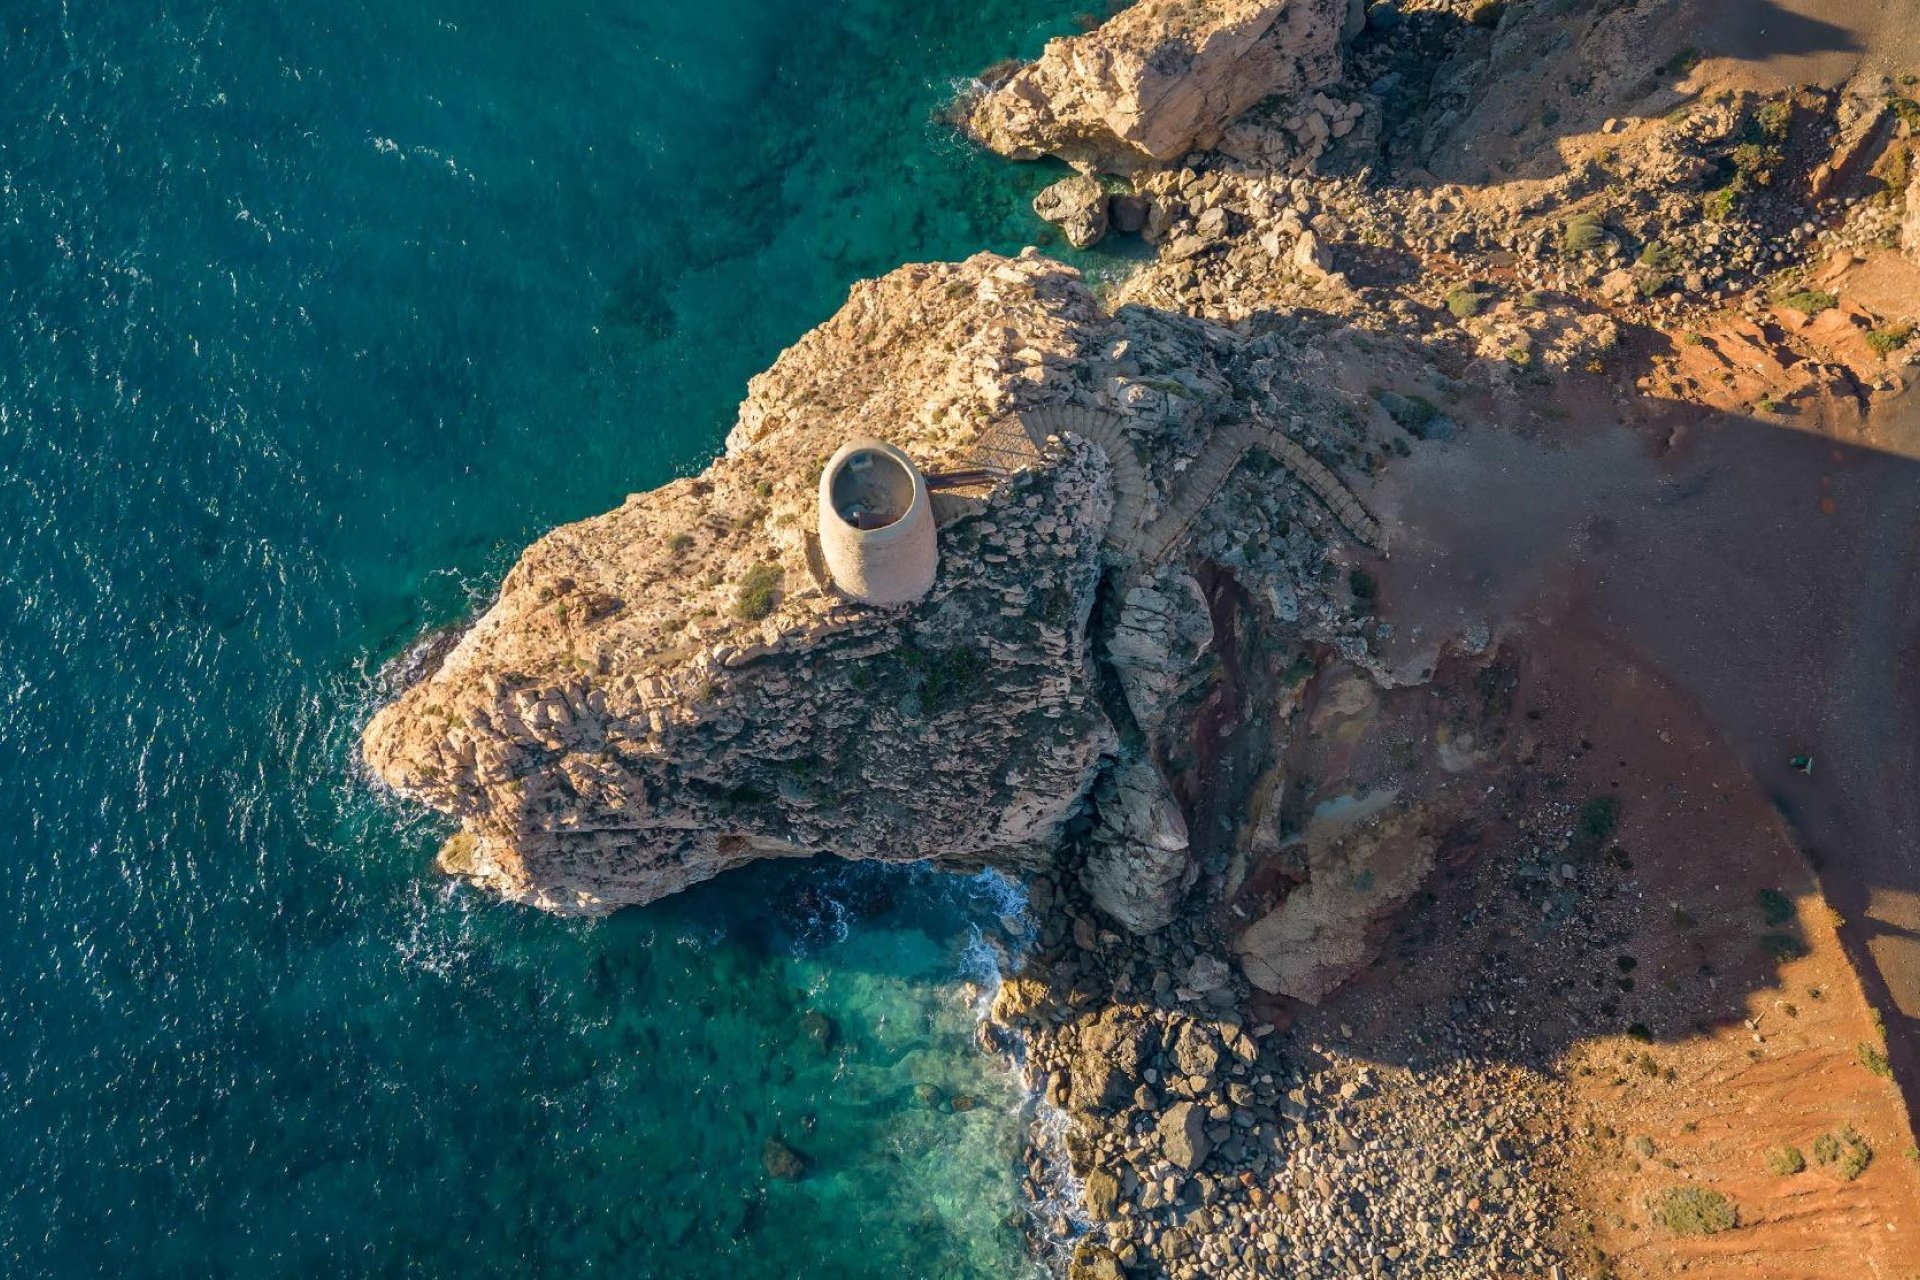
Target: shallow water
[[317, 314]]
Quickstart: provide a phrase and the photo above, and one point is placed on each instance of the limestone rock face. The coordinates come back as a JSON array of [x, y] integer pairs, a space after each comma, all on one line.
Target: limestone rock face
[[670, 690], [1078, 206], [1139, 864], [1910, 228], [676, 688], [1361, 868], [1163, 631], [1159, 79]]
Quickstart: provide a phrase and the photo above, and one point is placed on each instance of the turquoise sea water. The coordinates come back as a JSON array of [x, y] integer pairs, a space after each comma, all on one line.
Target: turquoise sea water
[[315, 314]]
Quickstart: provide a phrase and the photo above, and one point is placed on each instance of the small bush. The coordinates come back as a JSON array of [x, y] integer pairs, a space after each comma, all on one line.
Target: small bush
[[1599, 817], [1782, 947], [1661, 257], [1775, 120], [1808, 301], [1846, 1153], [1415, 414], [1720, 205], [1467, 301], [1363, 585], [759, 592], [1890, 339], [1776, 908], [1786, 1160], [1694, 1211], [1875, 1061], [680, 543], [1584, 233]]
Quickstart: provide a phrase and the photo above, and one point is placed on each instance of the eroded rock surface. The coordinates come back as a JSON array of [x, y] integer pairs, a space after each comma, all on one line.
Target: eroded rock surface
[[1158, 80], [632, 716], [673, 689]]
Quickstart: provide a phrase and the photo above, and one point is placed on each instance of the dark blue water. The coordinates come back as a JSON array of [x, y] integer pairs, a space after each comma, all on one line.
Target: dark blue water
[[316, 314]]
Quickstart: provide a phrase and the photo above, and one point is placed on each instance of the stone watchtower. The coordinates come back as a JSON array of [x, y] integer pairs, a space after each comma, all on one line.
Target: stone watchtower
[[876, 524]]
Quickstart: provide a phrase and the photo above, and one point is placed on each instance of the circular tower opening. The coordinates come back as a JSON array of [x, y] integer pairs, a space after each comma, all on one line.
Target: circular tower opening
[[876, 524], [871, 490]]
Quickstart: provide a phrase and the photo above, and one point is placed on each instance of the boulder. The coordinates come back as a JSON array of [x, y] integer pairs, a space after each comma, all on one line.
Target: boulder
[[1139, 863], [1094, 1262], [1107, 1063], [1183, 1135], [1197, 1051], [1129, 213], [1158, 80], [1311, 258], [1102, 1195], [1078, 206]]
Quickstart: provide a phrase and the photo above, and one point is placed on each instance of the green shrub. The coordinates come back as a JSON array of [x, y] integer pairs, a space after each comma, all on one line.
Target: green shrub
[[1890, 339], [1775, 120], [1720, 205], [1808, 301], [1756, 162], [1584, 233], [1786, 1160], [947, 676], [1415, 414], [1363, 585], [758, 593], [1874, 1060], [1845, 1153], [1661, 257], [1782, 947], [680, 543], [1694, 1211], [1467, 301], [1776, 908], [1599, 817]]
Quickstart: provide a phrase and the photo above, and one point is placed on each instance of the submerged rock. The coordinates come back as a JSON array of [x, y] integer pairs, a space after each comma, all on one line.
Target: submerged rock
[[782, 1161]]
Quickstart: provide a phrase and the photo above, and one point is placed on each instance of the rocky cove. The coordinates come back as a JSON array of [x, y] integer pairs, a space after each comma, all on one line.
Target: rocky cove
[[1301, 858]]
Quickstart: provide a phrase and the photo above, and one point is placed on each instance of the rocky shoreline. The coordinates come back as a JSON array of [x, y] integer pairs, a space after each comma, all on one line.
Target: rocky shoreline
[[1158, 674]]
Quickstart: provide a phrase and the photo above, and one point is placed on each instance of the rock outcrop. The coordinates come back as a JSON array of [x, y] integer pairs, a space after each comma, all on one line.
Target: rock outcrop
[[1140, 862], [1078, 206], [669, 690], [675, 688], [1910, 227], [1160, 79]]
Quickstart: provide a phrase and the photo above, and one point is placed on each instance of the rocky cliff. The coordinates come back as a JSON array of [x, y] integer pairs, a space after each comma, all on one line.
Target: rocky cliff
[[675, 688], [1160, 79]]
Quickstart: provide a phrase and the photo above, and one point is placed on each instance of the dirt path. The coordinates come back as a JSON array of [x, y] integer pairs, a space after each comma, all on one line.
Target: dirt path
[[1772, 574], [1771, 45]]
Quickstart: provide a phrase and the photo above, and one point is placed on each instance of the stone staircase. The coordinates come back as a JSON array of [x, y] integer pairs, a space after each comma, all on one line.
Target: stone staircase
[[1146, 542]]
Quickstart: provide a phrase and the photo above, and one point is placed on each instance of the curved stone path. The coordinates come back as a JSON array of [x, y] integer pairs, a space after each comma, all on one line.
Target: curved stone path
[[1148, 541]]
